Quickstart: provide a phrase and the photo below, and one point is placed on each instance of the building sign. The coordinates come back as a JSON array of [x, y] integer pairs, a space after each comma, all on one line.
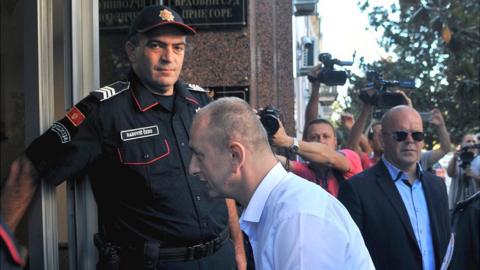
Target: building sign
[[119, 14], [230, 91], [211, 14]]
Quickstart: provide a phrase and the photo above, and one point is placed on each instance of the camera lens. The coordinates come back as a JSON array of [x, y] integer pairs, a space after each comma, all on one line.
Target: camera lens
[[269, 118], [270, 123]]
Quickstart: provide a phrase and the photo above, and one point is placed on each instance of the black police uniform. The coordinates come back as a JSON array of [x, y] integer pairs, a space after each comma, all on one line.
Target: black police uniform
[[134, 147]]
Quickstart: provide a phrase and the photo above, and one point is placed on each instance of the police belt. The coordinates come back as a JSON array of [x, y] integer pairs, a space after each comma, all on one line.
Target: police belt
[[194, 252]]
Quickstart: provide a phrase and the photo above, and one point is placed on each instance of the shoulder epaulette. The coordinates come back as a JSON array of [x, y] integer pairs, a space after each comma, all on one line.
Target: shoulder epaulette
[[196, 88], [111, 90]]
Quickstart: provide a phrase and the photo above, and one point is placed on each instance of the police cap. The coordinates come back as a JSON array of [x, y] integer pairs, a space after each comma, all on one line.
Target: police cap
[[155, 16]]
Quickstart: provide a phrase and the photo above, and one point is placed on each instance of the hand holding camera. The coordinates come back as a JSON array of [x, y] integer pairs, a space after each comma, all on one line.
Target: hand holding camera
[[280, 138], [314, 73], [270, 118], [327, 74], [437, 118], [466, 154], [369, 96], [383, 97]]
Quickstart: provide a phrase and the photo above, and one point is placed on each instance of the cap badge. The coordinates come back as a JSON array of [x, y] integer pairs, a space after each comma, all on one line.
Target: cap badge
[[166, 15]]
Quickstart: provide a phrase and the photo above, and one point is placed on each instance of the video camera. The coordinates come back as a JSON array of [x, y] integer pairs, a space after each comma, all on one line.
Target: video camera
[[269, 117], [383, 99], [329, 75], [467, 156]]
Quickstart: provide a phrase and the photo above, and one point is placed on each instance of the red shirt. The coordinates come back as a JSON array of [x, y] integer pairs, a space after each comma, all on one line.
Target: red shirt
[[303, 170], [367, 161]]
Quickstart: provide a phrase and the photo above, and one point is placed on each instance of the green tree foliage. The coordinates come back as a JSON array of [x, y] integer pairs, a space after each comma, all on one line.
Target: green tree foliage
[[437, 43]]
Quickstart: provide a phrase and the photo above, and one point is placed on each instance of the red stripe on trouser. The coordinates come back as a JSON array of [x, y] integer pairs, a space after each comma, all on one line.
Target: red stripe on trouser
[[11, 247]]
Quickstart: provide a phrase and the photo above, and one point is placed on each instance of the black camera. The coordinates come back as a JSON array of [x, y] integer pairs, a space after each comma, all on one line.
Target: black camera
[[467, 156], [329, 75], [269, 117], [383, 99]]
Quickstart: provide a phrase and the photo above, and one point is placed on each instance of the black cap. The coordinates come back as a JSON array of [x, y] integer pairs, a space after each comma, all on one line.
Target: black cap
[[154, 16]]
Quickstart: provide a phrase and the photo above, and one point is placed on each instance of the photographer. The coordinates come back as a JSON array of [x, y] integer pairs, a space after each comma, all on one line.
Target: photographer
[[327, 74], [464, 169], [325, 166]]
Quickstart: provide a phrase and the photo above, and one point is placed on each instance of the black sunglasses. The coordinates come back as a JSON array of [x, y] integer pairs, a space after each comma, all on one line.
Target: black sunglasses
[[401, 136]]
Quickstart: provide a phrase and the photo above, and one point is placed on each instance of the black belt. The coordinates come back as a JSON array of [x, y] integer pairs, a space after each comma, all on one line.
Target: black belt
[[194, 252]]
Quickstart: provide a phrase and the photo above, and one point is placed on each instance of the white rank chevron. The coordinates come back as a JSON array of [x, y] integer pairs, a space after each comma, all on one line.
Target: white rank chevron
[[106, 91], [111, 90], [195, 87]]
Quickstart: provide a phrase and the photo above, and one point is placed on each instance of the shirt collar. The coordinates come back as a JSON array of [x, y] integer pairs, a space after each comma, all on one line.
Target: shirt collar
[[145, 100], [255, 207], [398, 174]]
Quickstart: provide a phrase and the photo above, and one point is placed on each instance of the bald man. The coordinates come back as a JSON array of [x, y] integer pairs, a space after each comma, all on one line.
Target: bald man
[[291, 222], [401, 210]]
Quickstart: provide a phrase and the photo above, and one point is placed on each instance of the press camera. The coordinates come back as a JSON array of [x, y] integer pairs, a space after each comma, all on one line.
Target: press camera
[[328, 75], [383, 99], [269, 117], [466, 156]]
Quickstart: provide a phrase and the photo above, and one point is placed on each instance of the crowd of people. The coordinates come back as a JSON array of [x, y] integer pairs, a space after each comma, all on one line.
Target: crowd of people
[[185, 183]]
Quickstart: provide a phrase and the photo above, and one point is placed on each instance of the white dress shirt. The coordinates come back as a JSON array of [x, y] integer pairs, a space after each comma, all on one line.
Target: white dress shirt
[[294, 224]]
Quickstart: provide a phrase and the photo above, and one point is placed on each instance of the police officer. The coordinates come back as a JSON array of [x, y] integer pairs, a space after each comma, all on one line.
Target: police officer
[[131, 138]]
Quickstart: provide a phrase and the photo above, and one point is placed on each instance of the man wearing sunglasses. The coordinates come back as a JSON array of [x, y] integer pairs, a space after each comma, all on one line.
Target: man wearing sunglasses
[[401, 210]]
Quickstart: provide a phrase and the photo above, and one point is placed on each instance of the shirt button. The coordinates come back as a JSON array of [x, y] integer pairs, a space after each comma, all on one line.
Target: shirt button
[[146, 156], [198, 198], [182, 144]]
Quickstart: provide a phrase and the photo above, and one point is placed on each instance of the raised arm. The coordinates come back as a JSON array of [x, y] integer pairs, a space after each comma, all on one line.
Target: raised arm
[[443, 138], [311, 111], [452, 166], [356, 132]]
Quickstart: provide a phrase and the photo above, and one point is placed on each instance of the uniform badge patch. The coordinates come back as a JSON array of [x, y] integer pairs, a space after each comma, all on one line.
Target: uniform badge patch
[[166, 15], [137, 133], [62, 132], [197, 88], [75, 116]]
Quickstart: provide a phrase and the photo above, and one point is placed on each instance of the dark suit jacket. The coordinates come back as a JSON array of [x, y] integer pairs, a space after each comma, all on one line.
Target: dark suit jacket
[[375, 204]]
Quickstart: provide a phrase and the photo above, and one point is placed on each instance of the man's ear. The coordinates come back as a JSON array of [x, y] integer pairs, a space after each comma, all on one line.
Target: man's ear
[[237, 152], [130, 50]]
